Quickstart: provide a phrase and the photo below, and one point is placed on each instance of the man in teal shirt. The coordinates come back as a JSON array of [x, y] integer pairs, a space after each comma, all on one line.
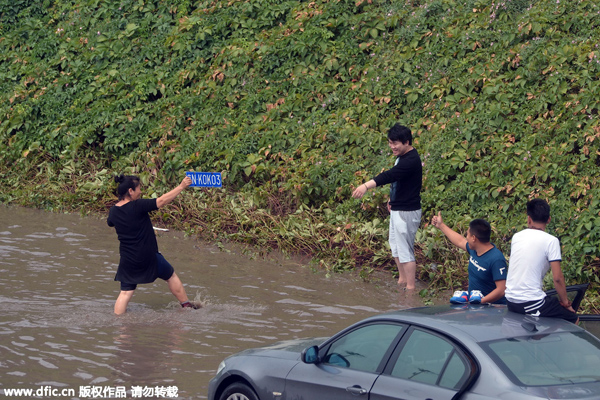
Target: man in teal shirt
[[487, 265]]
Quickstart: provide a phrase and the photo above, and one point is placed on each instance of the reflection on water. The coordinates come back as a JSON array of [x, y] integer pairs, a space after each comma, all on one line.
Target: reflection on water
[[57, 294]]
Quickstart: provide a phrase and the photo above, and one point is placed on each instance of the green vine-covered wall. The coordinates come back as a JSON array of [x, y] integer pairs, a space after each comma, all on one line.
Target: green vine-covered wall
[[291, 101]]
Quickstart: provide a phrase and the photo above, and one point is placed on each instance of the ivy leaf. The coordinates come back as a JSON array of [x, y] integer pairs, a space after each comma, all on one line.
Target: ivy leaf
[[130, 29]]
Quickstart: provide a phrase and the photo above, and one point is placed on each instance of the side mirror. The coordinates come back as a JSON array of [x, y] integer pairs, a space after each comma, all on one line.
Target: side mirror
[[310, 355]]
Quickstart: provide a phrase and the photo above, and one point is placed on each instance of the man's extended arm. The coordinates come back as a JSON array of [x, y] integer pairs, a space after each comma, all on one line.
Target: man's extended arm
[[456, 238], [360, 191]]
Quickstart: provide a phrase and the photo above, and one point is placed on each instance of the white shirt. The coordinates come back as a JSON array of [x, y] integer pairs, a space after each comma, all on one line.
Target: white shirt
[[531, 252]]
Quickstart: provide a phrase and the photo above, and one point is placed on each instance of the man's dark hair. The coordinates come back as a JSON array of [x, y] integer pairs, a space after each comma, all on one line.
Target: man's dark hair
[[481, 229], [538, 210], [126, 182], [400, 133]]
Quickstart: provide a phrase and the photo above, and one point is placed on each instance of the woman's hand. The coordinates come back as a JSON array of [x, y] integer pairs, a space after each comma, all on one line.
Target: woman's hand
[[187, 181]]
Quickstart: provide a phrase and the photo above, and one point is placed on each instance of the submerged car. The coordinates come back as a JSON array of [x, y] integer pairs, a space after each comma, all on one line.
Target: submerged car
[[472, 352]]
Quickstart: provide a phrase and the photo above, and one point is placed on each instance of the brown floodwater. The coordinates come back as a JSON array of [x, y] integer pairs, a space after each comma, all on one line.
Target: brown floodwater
[[58, 331]]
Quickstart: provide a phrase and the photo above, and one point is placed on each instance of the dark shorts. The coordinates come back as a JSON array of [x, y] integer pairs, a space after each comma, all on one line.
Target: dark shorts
[[549, 306], [163, 268]]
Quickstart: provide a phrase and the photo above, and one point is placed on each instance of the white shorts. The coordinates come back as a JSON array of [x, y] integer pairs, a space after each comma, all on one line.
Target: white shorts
[[403, 229]]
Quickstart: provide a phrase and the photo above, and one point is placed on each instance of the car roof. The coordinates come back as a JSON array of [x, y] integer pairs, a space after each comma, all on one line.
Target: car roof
[[479, 322]]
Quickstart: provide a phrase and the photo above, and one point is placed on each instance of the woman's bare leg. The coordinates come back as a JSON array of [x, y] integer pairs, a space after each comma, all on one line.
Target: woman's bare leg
[[122, 301], [176, 287]]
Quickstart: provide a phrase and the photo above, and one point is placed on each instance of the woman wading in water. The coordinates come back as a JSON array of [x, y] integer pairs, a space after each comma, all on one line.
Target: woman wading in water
[[140, 261]]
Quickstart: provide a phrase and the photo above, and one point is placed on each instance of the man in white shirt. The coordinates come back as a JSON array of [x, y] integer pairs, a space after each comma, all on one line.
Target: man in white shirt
[[533, 252]]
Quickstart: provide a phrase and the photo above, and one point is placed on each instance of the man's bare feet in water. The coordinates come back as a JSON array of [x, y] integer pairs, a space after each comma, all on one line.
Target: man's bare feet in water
[[406, 273]]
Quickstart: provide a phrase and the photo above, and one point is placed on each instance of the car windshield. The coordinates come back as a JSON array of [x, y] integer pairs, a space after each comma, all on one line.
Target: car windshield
[[548, 359]]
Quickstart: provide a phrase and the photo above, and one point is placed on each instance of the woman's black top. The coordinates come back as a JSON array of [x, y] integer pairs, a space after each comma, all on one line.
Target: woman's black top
[[138, 246]]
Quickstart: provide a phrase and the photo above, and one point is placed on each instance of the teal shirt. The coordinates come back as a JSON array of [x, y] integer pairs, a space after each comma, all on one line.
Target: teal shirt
[[485, 270]]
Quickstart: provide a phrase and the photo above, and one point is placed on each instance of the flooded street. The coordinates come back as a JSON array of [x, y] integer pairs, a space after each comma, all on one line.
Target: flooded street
[[57, 328]]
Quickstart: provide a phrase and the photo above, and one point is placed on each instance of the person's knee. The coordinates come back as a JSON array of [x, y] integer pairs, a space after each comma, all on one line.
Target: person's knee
[[164, 270], [126, 294]]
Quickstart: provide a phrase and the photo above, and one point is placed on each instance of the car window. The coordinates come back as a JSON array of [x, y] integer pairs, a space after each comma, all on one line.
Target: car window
[[428, 358], [548, 359], [364, 348], [591, 323]]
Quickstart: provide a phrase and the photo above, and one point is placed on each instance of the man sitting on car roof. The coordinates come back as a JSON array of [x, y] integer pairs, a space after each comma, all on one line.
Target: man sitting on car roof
[[487, 265], [533, 252]]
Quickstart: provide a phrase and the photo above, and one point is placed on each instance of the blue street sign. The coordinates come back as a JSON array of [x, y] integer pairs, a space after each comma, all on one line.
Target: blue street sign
[[205, 179]]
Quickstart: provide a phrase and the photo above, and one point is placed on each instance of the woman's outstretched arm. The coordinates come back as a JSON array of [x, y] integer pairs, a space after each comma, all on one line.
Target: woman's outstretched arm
[[168, 197]]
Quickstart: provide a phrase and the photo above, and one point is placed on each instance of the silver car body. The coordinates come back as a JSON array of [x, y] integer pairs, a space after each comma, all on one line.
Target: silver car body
[[470, 332]]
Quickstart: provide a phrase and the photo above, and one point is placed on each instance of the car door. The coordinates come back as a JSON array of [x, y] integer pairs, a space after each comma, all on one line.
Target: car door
[[576, 293], [348, 364], [424, 366]]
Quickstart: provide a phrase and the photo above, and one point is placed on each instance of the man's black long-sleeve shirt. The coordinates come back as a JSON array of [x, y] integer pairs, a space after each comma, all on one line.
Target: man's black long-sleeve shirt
[[406, 178]]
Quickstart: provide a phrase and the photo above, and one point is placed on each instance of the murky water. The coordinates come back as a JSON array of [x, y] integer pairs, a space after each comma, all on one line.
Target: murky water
[[58, 331]]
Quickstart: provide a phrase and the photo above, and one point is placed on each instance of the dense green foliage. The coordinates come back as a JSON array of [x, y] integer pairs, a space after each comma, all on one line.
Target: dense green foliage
[[291, 101]]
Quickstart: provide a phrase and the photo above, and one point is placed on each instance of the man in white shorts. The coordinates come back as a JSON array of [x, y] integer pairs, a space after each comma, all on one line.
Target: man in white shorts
[[533, 252], [404, 205]]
